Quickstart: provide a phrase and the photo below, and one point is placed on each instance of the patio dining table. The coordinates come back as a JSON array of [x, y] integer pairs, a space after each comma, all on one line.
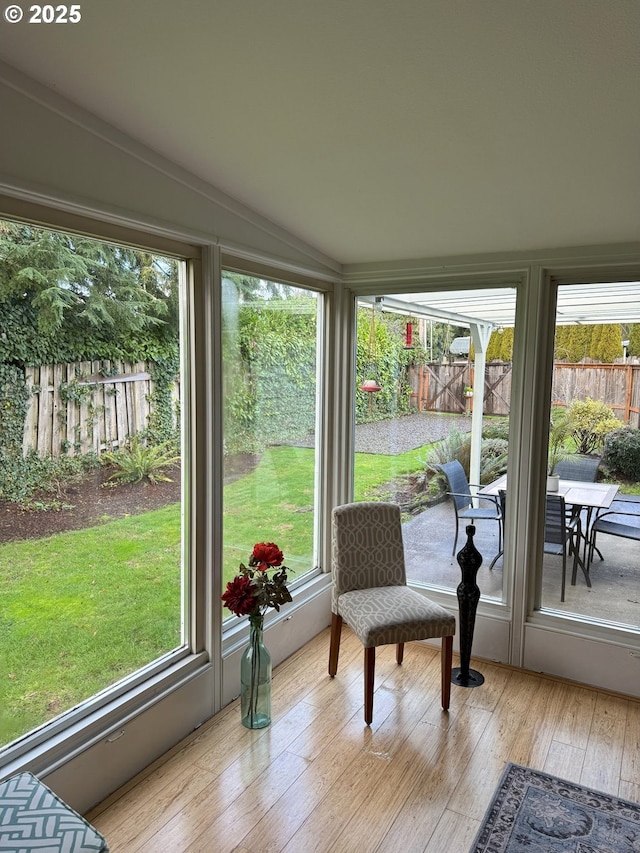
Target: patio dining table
[[579, 495]]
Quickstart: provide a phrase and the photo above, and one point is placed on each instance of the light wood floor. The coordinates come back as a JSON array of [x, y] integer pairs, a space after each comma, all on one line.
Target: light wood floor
[[419, 779]]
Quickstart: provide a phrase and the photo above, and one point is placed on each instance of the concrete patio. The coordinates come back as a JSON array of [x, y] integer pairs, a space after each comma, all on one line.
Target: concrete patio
[[613, 597]]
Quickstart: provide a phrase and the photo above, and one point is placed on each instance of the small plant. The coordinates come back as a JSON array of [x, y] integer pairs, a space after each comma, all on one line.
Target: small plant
[[138, 461], [559, 430]]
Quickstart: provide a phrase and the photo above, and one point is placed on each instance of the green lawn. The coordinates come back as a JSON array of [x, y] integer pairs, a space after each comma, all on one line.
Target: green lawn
[[70, 610], [71, 604]]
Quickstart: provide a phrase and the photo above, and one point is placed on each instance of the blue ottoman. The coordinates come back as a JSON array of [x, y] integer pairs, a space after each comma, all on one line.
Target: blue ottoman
[[32, 817]]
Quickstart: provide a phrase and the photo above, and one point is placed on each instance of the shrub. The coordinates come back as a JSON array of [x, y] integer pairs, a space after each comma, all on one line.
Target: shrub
[[138, 461], [24, 478], [457, 445], [498, 428], [590, 421], [622, 453], [493, 459]]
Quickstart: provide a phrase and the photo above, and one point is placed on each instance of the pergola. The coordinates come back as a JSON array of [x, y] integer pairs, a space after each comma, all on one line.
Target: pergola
[[486, 309]]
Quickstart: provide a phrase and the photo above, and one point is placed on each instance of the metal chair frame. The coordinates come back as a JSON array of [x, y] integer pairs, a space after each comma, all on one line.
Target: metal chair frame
[[463, 500]]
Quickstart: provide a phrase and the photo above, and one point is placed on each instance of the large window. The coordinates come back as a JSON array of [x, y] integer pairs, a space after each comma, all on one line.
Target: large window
[[433, 385], [92, 569], [270, 363], [594, 447]]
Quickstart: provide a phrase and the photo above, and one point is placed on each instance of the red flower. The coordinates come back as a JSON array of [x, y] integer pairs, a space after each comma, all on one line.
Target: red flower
[[254, 589], [239, 597], [266, 555]]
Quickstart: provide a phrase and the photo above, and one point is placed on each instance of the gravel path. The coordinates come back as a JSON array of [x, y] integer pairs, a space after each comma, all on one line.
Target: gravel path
[[397, 435]]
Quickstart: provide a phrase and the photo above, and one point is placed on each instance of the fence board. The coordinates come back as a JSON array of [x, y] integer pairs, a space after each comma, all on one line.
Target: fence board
[[45, 409], [102, 411], [30, 437]]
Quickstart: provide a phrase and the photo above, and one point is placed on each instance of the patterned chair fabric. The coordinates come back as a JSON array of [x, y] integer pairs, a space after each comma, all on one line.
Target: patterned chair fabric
[[33, 818], [367, 548], [394, 614], [370, 591]]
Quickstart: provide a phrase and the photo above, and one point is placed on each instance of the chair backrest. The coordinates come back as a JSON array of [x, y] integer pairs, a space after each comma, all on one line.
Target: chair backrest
[[367, 547], [576, 467], [458, 483], [555, 529]]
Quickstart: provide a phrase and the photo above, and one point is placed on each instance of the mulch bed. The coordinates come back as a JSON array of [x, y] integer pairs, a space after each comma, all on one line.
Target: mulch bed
[[87, 502]]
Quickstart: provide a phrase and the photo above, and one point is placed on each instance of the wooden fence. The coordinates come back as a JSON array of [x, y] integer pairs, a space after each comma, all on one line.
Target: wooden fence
[[440, 387], [86, 406], [93, 406]]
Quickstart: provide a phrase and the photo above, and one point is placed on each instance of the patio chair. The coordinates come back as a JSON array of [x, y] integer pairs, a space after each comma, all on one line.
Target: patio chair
[[502, 503], [576, 467], [621, 519], [562, 536], [370, 593], [585, 469], [463, 500]]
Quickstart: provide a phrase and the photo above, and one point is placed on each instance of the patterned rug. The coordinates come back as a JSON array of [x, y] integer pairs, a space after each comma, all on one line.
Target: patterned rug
[[532, 812]]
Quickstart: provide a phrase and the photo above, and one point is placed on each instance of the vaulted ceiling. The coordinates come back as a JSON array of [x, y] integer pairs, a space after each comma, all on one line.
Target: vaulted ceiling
[[375, 130]]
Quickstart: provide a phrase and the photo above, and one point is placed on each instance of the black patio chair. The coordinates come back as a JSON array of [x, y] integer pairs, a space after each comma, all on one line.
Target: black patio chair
[[585, 469], [502, 503], [576, 467], [562, 537], [621, 519], [463, 498]]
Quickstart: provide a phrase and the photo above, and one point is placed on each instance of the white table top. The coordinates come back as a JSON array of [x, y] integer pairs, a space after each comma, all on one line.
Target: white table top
[[576, 492]]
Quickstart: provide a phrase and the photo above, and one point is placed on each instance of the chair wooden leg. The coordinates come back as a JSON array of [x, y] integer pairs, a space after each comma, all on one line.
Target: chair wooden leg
[[399, 653], [369, 676], [334, 647], [445, 667]]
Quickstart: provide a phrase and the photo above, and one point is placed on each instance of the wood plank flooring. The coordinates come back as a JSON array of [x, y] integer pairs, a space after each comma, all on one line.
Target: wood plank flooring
[[418, 779]]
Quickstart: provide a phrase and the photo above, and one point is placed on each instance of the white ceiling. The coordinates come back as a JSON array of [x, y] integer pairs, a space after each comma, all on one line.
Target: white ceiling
[[375, 129]]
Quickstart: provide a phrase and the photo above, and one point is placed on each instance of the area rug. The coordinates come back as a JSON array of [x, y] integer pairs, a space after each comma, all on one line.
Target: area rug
[[532, 812]]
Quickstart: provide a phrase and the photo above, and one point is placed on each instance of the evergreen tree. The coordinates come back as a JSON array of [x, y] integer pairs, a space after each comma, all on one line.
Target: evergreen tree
[[70, 298], [494, 347], [609, 344], [562, 345], [579, 343], [506, 344], [634, 339]]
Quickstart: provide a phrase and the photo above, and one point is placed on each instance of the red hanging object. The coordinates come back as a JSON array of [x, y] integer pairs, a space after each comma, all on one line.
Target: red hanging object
[[408, 344]]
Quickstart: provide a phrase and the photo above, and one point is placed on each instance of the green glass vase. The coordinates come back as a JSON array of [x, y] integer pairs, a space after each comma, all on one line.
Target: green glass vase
[[255, 679]]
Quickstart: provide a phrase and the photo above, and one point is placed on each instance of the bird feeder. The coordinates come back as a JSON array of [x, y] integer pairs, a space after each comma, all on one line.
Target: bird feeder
[[370, 385], [408, 341]]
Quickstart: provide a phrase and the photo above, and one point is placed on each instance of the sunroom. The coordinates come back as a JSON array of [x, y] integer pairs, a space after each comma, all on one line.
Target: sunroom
[[394, 152]]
